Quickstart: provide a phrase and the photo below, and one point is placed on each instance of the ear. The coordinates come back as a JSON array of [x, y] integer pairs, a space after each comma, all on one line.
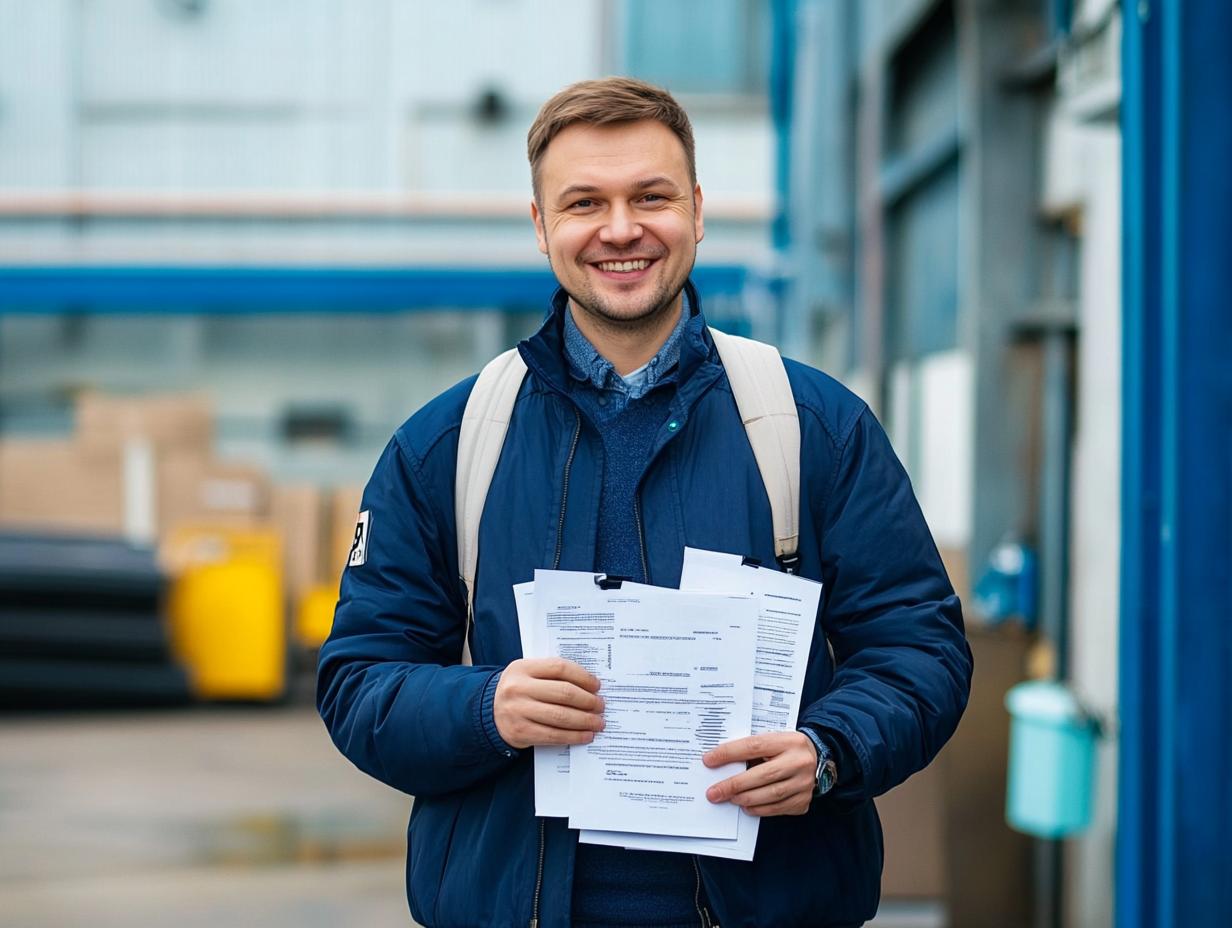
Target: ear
[[699, 226], [541, 235]]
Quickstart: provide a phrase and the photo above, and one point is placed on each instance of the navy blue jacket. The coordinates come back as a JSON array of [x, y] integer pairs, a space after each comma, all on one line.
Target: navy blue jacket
[[401, 707]]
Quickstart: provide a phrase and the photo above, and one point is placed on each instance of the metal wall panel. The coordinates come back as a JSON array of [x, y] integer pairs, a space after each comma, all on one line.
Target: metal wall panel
[[1176, 599]]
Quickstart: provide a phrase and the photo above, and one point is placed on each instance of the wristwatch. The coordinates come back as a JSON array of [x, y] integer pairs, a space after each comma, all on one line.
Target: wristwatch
[[827, 769]]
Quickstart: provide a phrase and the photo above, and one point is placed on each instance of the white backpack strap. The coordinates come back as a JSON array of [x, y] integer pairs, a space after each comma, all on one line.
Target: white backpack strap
[[480, 439], [768, 410]]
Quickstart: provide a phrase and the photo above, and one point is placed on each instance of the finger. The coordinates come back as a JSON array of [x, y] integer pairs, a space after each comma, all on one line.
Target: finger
[[517, 683], [533, 734], [796, 806], [784, 792], [550, 715], [563, 693], [753, 747], [752, 778], [557, 668]]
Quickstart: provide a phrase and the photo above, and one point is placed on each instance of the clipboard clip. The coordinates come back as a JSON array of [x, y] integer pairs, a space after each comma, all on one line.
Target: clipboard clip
[[609, 581]]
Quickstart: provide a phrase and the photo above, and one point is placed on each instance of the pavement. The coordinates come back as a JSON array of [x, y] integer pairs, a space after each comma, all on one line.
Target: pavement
[[199, 817], [207, 817]]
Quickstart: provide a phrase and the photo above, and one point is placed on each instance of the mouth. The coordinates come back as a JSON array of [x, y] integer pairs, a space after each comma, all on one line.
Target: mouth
[[627, 271]]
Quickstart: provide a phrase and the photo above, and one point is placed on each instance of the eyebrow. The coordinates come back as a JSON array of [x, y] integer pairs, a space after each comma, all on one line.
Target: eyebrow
[[658, 180]]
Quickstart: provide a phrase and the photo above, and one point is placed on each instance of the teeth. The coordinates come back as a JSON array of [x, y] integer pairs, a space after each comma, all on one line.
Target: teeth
[[623, 265]]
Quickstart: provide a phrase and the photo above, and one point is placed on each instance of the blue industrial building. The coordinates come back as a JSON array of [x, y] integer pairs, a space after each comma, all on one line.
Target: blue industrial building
[[1038, 192]]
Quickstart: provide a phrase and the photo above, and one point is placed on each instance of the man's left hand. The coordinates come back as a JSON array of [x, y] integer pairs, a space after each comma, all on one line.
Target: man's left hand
[[780, 778]]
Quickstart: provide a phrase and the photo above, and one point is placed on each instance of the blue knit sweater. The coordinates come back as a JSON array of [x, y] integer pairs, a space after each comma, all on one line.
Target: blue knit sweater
[[612, 886]]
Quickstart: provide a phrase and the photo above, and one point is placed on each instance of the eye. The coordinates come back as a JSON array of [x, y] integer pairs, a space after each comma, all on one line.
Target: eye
[[583, 203], [653, 198]]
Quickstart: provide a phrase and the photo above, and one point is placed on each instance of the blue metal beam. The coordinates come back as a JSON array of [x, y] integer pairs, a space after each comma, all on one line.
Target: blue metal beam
[[292, 289], [782, 79], [1174, 856]]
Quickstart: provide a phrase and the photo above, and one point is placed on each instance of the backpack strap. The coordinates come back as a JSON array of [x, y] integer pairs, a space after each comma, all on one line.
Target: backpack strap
[[768, 410], [480, 439], [763, 398]]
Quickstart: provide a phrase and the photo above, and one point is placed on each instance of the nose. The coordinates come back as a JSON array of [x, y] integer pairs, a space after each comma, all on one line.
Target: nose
[[620, 228]]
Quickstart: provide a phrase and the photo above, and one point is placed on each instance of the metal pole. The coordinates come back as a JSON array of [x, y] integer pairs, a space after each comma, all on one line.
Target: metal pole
[[1057, 343]]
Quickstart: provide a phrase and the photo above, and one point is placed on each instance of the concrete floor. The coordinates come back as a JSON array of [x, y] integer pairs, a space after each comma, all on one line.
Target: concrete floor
[[203, 818]]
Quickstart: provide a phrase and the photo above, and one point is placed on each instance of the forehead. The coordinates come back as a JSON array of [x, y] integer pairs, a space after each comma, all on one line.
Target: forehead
[[612, 155]]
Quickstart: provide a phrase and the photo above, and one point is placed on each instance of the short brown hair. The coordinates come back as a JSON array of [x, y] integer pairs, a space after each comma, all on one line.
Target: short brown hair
[[604, 102]]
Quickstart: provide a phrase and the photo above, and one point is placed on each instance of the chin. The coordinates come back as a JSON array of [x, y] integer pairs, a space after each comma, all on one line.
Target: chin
[[631, 309], [636, 312]]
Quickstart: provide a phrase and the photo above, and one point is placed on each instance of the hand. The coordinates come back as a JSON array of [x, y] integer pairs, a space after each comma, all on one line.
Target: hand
[[780, 778], [547, 700]]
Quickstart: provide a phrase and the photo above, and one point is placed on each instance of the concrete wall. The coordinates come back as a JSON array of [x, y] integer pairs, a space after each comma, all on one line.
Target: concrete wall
[[300, 132], [1083, 182], [248, 108], [1039, 170]]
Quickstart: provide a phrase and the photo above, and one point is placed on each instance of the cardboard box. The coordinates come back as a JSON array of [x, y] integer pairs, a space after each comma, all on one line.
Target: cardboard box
[[52, 486], [913, 826], [945, 831], [990, 865], [196, 489], [344, 513], [955, 562], [168, 421], [297, 510]]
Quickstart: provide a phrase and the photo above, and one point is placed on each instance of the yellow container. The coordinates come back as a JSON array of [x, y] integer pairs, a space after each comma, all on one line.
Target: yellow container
[[315, 616], [226, 611]]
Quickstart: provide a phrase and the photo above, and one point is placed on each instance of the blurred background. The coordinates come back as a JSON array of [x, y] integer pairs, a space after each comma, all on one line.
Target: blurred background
[[242, 240]]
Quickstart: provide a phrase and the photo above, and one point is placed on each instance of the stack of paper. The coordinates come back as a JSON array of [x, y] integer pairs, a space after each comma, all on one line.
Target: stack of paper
[[681, 671]]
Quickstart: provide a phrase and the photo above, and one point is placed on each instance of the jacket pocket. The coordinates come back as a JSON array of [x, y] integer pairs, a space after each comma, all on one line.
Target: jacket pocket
[[429, 843]]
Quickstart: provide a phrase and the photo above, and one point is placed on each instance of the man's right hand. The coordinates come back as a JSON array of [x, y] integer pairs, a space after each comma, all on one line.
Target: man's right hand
[[547, 700]]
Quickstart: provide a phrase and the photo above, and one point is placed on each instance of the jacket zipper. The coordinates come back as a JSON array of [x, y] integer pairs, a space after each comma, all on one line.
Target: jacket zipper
[[641, 536], [564, 495], [703, 914], [637, 515], [534, 913], [560, 540]]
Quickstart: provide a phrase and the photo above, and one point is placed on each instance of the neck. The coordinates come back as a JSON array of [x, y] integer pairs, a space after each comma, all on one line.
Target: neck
[[629, 345]]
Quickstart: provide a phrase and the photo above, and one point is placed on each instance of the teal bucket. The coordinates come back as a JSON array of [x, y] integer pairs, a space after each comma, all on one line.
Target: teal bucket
[[1052, 761]]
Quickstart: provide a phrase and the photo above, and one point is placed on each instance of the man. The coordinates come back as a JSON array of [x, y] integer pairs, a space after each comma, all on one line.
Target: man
[[625, 446]]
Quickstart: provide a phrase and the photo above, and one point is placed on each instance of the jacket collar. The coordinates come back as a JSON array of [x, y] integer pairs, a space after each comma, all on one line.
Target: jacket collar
[[544, 352]]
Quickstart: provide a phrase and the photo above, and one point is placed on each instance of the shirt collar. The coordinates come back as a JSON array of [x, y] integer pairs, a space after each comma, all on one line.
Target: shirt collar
[[586, 364]]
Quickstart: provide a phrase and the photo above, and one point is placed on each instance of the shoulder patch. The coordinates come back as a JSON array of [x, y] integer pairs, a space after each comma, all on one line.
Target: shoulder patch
[[359, 544]]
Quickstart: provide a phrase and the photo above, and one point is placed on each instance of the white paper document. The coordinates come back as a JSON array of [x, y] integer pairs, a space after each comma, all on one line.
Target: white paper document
[[787, 613], [551, 760], [677, 679]]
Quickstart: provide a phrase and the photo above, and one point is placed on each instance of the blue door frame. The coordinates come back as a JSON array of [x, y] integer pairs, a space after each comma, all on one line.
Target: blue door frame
[[1174, 863]]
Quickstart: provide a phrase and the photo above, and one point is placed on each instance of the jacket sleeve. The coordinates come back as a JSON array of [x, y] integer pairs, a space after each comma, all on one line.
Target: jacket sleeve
[[903, 666], [389, 685]]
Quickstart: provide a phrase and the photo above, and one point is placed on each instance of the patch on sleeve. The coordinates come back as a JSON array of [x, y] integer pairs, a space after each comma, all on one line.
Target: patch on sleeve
[[359, 545]]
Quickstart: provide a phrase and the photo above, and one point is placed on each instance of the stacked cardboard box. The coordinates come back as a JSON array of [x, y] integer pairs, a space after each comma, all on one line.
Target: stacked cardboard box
[[88, 483], [52, 486], [344, 513], [142, 467]]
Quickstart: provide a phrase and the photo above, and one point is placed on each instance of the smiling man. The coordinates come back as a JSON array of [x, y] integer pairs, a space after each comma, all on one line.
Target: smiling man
[[625, 445], [618, 212]]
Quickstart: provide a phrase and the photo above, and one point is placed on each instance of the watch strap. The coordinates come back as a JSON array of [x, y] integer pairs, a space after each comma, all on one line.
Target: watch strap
[[827, 771]]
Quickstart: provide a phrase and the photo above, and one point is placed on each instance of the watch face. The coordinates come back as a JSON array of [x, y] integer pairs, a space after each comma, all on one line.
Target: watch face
[[826, 776]]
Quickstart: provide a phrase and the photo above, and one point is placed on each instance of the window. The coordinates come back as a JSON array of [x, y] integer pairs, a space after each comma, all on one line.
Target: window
[[920, 182], [698, 46]]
